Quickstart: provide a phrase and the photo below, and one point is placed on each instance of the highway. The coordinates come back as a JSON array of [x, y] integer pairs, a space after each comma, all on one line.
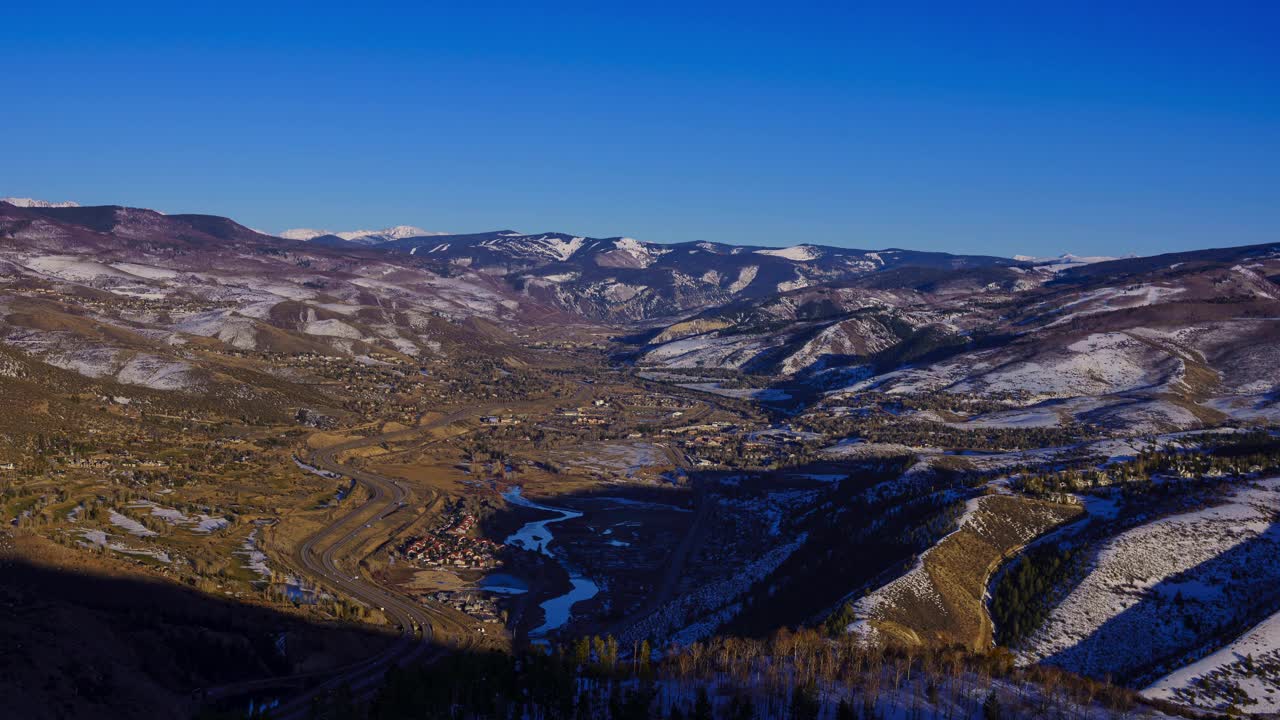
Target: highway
[[320, 558]]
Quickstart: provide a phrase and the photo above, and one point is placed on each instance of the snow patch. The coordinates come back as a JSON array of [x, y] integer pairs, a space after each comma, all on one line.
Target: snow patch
[[795, 253]]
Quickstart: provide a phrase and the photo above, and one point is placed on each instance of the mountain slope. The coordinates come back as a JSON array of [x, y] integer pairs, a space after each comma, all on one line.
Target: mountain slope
[[134, 296], [623, 279]]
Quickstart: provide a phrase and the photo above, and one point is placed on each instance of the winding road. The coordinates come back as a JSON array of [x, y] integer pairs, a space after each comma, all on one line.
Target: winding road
[[319, 557]]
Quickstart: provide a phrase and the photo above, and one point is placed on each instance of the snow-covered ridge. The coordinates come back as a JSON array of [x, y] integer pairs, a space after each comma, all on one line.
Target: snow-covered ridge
[[34, 203], [634, 247], [367, 237], [628, 252], [303, 233], [547, 245], [1066, 261], [1064, 257], [397, 232]]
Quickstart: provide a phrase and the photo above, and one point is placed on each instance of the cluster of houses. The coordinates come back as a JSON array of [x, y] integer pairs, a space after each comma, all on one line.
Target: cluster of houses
[[450, 545], [721, 443], [476, 604], [585, 415], [663, 402]]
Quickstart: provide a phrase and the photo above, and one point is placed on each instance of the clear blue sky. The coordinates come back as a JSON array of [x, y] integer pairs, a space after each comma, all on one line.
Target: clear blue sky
[[970, 127]]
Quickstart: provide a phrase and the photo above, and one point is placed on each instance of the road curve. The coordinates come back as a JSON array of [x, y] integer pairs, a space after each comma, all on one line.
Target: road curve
[[318, 557]]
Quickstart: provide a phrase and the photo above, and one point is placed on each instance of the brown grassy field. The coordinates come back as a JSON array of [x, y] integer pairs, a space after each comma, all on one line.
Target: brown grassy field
[[941, 600]]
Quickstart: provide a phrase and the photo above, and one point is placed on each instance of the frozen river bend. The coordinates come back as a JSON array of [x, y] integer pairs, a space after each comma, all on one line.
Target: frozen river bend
[[536, 536]]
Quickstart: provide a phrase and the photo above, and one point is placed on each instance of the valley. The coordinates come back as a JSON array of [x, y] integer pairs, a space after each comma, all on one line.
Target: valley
[[394, 450]]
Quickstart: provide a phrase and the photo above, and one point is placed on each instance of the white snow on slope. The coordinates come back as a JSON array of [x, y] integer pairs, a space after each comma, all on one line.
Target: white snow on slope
[[1033, 417], [1121, 615], [1196, 684], [200, 523], [397, 232], [156, 372], [1108, 299], [149, 272], [302, 233], [102, 539], [745, 276], [75, 269], [367, 237], [129, 525], [331, 328], [255, 559], [795, 253], [238, 332], [1099, 363], [65, 351], [710, 350], [633, 253], [34, 203], [559, 249], [761, 394], [1064, 261], [800, 281]]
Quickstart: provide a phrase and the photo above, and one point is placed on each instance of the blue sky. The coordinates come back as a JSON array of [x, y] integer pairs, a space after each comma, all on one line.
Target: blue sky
[[966, 127]]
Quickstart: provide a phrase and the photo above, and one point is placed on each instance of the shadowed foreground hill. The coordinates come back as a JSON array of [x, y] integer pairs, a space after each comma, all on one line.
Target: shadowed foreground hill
[[97, 644], [87, 645]]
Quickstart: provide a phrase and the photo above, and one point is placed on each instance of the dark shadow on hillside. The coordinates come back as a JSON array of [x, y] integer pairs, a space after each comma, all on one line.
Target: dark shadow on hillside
[[714, 525], [94, 646], [1195, 611]]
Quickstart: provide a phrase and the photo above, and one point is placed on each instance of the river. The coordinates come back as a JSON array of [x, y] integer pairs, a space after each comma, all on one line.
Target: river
[[537, 536]]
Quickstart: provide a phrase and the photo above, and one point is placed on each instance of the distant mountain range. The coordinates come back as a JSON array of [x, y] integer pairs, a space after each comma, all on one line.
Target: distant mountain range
[[1170, 339], [624, 279], [359, 237], [615, 279], [32, 202]]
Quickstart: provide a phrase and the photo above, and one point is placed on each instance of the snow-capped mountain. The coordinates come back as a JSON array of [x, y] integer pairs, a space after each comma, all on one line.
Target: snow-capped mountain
[[795, 311], [303, 234], [34, 203], [1159, 343], [204, 276], [360, 237], [1065, 261], [622, 278]]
